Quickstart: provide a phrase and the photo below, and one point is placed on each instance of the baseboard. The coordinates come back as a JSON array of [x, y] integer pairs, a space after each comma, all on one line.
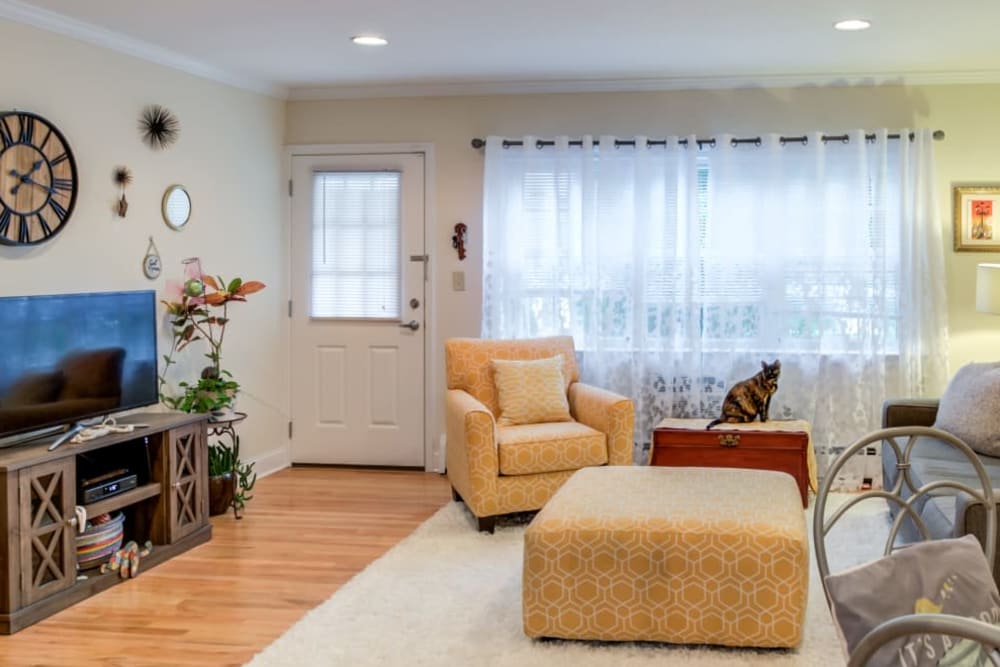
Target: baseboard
[[271, 462]]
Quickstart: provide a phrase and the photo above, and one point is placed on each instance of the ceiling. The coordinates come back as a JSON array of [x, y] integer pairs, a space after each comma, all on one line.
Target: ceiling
[[303, 46]]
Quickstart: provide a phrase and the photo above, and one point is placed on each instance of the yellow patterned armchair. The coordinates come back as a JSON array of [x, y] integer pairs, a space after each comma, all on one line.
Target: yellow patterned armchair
[[497, 470]]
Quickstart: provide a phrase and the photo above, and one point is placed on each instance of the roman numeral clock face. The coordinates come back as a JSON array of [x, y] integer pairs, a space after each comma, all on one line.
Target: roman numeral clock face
[[38, 181]]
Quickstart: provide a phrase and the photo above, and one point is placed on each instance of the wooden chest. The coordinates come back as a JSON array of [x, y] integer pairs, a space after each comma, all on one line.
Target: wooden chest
[[782, 451]]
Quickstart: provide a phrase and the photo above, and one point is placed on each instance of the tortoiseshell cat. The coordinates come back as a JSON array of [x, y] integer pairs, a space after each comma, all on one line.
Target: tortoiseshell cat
[[750, 398]]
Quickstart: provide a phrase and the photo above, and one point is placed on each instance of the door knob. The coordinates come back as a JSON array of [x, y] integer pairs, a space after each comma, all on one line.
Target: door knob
[[412, 325]]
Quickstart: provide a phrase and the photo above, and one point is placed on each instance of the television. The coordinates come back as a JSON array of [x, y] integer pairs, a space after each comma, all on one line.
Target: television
[[69, 358]]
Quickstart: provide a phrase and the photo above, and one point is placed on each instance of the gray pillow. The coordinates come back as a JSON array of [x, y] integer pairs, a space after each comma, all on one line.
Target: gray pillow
[[970, 407], [941, 576]]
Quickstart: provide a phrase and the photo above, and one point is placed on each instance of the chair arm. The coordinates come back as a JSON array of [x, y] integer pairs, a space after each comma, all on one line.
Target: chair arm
[[471, 451], [611, 414], [923, 624], [909, 412]]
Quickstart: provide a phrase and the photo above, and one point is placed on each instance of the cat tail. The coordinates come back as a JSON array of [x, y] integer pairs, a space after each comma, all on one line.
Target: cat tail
[[713, 423]]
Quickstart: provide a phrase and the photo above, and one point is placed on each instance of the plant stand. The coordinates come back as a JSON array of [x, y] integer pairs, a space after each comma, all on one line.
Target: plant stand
[[225, 425]]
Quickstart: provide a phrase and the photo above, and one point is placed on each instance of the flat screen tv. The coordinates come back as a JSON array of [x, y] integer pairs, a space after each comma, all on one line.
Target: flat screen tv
[[72, 357]]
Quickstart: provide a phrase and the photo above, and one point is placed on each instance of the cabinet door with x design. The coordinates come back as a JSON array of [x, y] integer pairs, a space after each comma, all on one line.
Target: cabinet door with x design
[[187, 499], [48, 550]]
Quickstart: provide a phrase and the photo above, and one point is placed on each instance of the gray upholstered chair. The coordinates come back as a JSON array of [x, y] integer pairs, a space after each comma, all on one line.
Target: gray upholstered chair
[[905, 496]]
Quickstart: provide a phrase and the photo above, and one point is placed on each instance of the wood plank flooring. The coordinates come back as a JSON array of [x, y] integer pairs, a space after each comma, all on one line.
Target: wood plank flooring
[[306, 532]]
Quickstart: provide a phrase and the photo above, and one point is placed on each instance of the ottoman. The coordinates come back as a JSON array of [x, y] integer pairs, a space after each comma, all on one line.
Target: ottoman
[[683, 555]]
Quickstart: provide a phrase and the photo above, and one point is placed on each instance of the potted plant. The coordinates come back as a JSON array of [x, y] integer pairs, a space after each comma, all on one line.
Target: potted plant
[[230, 481], [221, 479], [199, 311]]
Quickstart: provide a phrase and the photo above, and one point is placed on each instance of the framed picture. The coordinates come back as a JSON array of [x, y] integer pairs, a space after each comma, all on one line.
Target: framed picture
[[977, 218]]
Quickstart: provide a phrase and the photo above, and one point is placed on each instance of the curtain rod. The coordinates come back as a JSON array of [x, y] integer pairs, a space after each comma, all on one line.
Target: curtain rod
[[756, 141]]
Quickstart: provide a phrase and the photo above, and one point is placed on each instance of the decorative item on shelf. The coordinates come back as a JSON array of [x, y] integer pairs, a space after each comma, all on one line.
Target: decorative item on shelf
[[125, 561], [176, 207], [975, 222], [123, 178], [101, 538], [38, 179], [199, 311], [159, 127], [458, 239], [151, 265]]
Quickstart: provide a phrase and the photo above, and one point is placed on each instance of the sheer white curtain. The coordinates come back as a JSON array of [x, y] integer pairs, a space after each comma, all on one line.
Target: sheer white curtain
[[678, 269]]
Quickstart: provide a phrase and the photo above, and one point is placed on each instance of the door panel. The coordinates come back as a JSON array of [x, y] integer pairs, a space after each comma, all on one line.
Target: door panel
[[187, 499], [358, 380], [331, 374], [383, 367], [48, 548]]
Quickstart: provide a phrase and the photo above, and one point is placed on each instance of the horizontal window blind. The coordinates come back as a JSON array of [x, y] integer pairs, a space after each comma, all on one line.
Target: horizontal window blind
[[356, 245]]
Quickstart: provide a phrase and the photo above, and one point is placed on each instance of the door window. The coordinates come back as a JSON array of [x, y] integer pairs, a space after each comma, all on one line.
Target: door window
[[356, 264]]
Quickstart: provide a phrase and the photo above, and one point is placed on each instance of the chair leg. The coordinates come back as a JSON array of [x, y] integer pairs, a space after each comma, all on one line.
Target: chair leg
[[455, 495], [486, 524]]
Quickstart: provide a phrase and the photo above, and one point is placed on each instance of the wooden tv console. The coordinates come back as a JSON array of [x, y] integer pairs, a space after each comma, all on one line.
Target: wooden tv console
[[38, 489]]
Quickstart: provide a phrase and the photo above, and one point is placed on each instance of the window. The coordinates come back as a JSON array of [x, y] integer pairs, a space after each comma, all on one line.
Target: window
[[804, 290], [356, 264]]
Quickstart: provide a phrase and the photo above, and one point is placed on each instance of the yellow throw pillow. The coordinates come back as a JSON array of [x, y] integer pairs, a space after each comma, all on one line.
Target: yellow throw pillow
[[531, 392]]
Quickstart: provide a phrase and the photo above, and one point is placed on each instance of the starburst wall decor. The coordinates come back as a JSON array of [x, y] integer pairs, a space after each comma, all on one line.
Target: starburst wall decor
[[159, 127], [122, 177]]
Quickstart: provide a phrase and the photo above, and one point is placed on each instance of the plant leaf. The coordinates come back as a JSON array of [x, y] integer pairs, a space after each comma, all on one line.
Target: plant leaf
[[249, 287], [216, 298], [234, 285], [210, 281]]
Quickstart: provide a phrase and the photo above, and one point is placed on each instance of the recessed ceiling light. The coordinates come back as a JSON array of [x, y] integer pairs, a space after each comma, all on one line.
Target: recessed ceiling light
[[369, 40], [852, 24]]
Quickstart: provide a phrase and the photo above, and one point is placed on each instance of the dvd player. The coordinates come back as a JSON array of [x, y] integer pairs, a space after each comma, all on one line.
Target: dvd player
[[107, 485]]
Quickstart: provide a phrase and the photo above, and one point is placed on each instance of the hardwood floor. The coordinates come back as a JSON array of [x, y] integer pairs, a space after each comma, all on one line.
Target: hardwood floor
[[306, 532]]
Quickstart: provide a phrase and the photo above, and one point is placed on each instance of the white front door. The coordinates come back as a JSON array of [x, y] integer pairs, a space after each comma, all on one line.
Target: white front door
[[357, 279]]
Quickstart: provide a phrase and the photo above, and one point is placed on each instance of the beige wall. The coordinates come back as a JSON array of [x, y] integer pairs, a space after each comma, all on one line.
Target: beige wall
[[966, 113], [229, 158]]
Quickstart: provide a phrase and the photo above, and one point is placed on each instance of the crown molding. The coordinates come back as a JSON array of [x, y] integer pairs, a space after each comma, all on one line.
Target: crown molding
[[44, 19], [639, 84]]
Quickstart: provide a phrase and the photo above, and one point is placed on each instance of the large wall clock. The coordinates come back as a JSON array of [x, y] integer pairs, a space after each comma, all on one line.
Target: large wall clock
[[38, 180]]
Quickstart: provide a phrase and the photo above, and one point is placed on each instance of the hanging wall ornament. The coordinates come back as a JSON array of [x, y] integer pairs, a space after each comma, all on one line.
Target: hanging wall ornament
[[123, 178], [151, 262], [159, 127]]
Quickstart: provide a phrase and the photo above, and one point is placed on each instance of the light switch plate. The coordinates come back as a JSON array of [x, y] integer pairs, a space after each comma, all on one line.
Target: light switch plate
[[458, 281]]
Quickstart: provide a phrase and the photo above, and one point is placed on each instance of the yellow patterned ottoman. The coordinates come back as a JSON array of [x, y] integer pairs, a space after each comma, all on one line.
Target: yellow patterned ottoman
[[683, 555]]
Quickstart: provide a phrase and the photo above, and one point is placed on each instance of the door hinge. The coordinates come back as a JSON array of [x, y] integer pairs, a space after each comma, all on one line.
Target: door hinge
[[290, 188], [289, 430], [289, 307]]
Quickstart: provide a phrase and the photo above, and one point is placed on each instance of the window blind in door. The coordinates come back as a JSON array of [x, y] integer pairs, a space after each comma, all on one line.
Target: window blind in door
[[356, 262]]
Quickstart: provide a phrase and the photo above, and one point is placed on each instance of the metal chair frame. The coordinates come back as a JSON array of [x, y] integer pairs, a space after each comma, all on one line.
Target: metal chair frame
[[941, 624]]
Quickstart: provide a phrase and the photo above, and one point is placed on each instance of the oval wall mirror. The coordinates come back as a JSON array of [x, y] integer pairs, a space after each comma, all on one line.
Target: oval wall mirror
[[176, 207]]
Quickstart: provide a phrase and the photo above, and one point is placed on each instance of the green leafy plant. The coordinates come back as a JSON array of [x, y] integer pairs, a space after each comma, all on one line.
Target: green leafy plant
[[195, 315], [208, 394], [222, 459]]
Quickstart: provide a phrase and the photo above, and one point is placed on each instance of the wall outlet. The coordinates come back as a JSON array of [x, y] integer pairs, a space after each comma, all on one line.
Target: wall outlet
[[458, 281]]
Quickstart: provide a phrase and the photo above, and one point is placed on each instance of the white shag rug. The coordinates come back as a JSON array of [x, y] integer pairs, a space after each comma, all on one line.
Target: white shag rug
[[448, 595]]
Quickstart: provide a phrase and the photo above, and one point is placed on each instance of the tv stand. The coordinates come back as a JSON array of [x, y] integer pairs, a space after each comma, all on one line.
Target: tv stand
[[38, 496]]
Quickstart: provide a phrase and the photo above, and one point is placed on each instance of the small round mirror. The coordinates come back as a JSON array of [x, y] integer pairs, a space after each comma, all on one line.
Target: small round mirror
[[176, 207]]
